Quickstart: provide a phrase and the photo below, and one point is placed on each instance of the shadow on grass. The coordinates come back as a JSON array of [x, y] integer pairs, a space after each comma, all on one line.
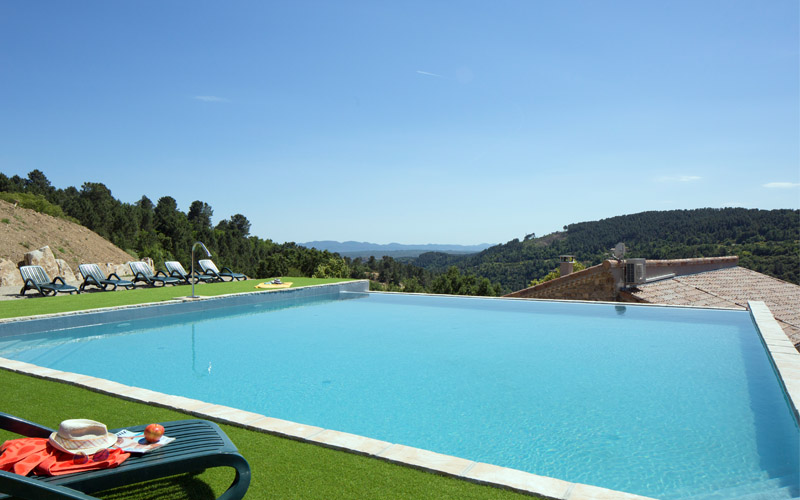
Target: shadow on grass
[[181, 487]]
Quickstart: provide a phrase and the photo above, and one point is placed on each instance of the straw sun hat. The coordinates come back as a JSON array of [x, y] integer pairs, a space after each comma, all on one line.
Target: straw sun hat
[[82, 436]]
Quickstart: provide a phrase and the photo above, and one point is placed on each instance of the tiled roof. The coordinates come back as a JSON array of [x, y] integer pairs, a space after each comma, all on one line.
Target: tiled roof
[[729, 287]]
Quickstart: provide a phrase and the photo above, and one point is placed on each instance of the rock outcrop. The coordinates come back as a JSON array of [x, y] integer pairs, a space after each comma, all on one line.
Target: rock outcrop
[[9, 273], [64, 270], [43, 257]]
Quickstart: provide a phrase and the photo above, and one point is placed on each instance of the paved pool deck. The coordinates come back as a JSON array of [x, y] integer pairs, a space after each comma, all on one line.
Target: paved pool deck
[[785, 359]]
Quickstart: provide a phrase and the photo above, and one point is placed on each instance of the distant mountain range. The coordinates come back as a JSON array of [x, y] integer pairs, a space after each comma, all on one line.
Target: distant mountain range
[[365, 249]]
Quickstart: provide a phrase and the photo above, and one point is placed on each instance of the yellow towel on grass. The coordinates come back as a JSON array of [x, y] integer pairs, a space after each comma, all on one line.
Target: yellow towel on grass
[[270, 285]]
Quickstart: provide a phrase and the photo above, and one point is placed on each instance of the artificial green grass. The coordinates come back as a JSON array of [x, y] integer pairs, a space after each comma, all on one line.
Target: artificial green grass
[[281, 468], [36, 304]]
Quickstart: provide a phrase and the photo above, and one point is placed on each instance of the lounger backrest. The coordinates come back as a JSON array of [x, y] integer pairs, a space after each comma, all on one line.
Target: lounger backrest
[[174, 265], [207, 264], [141, 267], [92, 270], [35, 274]]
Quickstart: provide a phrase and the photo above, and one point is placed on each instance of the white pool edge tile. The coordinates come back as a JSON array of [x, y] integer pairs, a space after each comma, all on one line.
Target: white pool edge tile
[[476, 472], [786, 361]]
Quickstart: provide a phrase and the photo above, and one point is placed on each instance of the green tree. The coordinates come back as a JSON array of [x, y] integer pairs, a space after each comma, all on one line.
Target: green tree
[[37, 183], [334, 267], [95, 208], [173, 225], [200, 217]]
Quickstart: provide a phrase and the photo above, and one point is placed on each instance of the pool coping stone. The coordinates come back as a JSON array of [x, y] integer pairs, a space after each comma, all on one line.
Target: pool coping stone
[[784, 357]]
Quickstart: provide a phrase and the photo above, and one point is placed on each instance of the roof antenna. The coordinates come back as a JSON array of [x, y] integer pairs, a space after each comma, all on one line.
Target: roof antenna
[[618, 251]]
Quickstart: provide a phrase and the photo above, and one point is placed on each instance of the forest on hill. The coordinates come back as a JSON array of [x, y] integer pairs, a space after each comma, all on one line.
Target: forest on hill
[[767, 241], [162, 232]]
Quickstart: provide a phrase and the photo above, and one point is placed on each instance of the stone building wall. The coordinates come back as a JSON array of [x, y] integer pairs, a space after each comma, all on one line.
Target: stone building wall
[[593, 283]]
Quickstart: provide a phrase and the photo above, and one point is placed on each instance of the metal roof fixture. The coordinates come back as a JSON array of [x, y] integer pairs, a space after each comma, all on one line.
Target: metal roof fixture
[[618, 251], [635, 271]]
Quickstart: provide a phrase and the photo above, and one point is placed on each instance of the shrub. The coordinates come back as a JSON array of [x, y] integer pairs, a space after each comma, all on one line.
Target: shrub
[[38, 203]]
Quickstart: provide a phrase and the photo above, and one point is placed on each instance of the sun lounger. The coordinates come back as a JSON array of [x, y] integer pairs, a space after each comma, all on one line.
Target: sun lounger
[[92, 275], [208, 267], [35, 278], [142, 272], [198, 445], [176, 270]]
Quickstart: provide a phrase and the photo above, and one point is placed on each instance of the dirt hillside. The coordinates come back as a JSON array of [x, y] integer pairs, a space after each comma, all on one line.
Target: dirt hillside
[[23, 230]]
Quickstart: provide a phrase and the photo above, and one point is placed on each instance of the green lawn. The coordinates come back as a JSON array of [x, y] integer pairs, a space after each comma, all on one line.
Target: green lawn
[[36, 304], [281, 468]]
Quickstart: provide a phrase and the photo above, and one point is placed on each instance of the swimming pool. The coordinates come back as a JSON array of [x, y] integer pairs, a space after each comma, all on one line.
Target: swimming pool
[[664, 402]]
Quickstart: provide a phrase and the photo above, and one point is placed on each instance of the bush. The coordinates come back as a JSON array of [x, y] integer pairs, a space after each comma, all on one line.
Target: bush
[[38, 203]]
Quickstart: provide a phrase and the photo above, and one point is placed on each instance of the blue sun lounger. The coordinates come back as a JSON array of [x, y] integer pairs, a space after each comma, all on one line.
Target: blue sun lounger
[[198, 445], [142, 272], [176, 270], [36, 278], [209, 268], [92, 275]]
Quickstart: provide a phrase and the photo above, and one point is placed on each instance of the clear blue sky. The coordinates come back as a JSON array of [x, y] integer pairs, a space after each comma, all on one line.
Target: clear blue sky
[[415, 121]]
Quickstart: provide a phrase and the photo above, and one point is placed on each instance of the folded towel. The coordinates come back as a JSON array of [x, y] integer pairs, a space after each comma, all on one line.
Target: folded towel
[[271, 285]]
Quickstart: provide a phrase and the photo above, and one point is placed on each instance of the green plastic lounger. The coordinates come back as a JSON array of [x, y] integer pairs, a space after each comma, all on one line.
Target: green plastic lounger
[[176, 270], [35, 278], [198, 445], [142, 272], [92, 275], [207, 266]]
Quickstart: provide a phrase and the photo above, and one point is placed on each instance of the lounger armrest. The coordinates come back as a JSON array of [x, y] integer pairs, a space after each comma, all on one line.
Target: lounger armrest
[[139, 276], [34, 489], [212, 272], [161, 273], [59, 278], [115, 276], [227, 270], [29, 283], [91, 280], [177, 274], [23, 427]]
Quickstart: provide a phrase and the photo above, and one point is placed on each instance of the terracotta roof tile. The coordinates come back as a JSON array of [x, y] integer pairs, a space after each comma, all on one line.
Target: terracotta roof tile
[[729, 287]]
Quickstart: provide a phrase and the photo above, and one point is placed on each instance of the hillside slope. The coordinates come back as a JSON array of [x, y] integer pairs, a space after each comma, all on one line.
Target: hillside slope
[[23, 230], [765, 241]]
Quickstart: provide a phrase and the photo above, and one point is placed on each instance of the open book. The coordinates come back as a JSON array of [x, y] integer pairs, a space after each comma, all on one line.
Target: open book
[[134, 442]]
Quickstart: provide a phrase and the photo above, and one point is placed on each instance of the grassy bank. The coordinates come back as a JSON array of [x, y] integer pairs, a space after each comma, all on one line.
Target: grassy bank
[[36, 304]]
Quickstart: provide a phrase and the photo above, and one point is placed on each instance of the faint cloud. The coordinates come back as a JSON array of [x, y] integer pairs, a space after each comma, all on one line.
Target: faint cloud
[[781, 185], [679, 178], [429, 74], [210, 98]]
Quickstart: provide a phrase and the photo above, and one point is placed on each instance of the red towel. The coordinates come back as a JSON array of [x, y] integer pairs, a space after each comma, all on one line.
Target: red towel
[[21, 456]]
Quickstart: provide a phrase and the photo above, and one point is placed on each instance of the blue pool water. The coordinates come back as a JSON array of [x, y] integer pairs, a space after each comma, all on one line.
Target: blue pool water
[[663, 402]]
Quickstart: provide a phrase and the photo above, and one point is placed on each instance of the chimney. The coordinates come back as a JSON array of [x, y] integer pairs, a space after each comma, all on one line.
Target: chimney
[[567, 262]]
